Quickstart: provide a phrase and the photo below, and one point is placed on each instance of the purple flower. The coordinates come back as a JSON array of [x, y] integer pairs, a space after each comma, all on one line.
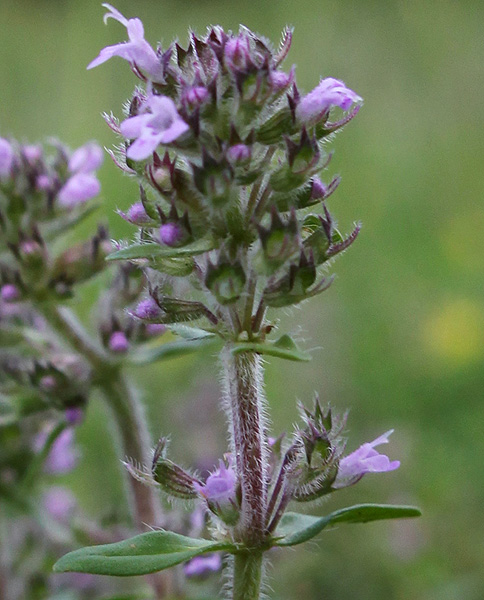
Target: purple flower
[[83, 185], [9, 292], [219, 491], [32, 153], [74, 415], [118, 342], [85, 159], [330, 92], [171, 234], [195, 96], [318, 189], [202, 566], [364, 460], [240, 153], [220, 485], [237, 53], [60, 503], [157, 123], [136, 214], [78, 189], [63, 455], [147, 309], [280, 80], [137, 51], [43, 182], [6, 157]]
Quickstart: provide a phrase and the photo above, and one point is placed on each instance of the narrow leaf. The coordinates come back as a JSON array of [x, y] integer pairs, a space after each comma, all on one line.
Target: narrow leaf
[[142, 554], [152, 250], [284, 347], [296, 528]]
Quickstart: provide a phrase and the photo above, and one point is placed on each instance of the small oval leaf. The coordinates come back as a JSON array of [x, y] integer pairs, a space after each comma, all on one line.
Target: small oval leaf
[[140, 555], [296, 528]]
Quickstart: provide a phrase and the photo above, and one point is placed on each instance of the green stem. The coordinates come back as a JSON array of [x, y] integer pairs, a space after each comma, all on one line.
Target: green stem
[[247, 576], [135, 444]]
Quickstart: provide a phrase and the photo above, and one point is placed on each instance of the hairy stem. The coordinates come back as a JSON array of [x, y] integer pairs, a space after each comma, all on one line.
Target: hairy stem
[[243, 374], [245, 404], [247, 576]]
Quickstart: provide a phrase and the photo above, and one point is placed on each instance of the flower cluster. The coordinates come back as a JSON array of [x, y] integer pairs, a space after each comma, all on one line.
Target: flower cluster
[[42, 192], [227, 152]]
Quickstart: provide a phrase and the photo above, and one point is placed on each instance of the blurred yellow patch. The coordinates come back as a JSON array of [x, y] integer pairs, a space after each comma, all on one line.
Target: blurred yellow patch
[[456, 333]]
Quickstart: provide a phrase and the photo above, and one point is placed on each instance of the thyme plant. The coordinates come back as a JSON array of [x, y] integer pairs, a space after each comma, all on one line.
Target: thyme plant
[[232, 225]]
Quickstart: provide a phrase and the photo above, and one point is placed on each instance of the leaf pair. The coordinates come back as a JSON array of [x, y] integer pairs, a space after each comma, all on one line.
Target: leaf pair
[[158, 550]]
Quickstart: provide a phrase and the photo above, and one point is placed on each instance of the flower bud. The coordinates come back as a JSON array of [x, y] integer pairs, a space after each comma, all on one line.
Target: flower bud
[[136, 214], [9, 292], [147, 310], [280, 81], [195, 96], [239, 154], [32, 153], [171, 234], [118, 342], [74, 415], [237, 53], [43, 183]]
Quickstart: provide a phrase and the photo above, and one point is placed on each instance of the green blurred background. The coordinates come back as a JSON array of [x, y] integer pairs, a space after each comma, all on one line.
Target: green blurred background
[[399, 338]]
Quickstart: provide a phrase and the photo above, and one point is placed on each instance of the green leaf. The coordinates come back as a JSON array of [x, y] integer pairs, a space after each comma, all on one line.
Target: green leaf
[[296, 528], [190, 333], [149, 354], [152, 250], [284, 347], [142, 554]]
